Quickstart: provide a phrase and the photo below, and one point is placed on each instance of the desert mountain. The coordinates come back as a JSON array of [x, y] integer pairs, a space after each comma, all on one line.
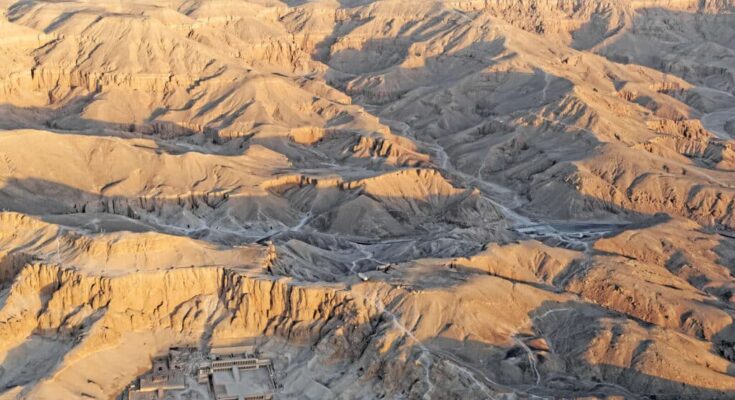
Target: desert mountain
[[481, 199]]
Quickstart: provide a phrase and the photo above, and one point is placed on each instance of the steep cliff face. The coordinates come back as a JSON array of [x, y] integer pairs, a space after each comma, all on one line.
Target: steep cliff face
[[101, 314], [184, 300]]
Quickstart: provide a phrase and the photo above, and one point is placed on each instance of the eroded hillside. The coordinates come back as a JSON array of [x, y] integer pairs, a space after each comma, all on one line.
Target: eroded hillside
[[402, 199]]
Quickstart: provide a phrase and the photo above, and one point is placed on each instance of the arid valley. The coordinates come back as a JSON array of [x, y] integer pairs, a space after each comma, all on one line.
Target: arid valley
[[364, 199]]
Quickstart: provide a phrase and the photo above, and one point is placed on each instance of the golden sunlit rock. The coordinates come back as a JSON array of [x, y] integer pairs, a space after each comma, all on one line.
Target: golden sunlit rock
[[361, 199]]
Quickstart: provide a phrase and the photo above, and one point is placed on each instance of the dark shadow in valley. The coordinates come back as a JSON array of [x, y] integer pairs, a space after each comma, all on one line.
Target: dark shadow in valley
[[516, 154], [169, 137], [325, 217], [341, 151], [554, 357], [706, 36]]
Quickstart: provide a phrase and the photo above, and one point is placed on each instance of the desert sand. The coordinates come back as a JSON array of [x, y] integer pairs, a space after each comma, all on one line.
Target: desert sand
[[403, 199]]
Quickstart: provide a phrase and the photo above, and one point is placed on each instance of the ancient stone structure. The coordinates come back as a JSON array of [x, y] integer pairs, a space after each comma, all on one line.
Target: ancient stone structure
[[226, 373]]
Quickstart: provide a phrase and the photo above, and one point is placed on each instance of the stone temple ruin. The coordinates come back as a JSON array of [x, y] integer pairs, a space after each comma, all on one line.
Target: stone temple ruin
[[226, 373]]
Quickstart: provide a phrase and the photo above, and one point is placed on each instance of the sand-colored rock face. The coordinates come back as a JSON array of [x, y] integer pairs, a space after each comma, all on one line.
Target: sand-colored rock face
[[495, 199]]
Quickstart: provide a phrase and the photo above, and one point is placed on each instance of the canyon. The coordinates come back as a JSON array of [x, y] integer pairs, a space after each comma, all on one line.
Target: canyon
[[440, 199]]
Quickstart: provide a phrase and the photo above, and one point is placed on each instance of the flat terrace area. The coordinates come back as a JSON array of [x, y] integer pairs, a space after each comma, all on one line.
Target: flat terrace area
[[237, 383]]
